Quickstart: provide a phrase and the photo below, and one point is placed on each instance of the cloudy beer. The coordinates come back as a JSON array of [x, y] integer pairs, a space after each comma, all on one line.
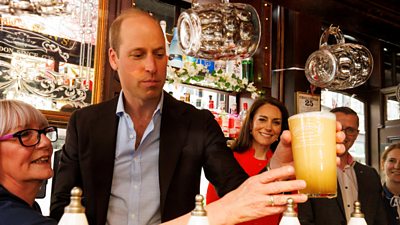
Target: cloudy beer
[[314, 152]]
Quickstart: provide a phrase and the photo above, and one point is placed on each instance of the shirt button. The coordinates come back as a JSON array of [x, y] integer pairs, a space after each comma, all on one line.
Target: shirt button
[[346, 187], [348, 206], [135, 186], [131, 136], [133, 216]]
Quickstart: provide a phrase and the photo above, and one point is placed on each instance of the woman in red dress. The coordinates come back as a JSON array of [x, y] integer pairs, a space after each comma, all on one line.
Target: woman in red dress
[[258, 138]]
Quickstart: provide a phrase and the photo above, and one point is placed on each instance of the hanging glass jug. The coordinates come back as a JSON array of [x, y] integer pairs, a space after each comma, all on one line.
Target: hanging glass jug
[[219, 31], [339, 66]]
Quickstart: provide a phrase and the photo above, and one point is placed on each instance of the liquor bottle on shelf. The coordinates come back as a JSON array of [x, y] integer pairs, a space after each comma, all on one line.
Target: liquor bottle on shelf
[[175, 53], [163, 25], [224, 118], [187, 97], [198, 103], [243, 113], [237, 124], [247, 69], [233, 109], [234, 122], [210, 103], [234, 67], [221, 106], [199, 99], [215, 101]]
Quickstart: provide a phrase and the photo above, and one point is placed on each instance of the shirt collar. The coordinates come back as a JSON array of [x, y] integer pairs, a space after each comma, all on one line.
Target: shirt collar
[[350, 162], [120, 105], [386, 192], [121, 108]]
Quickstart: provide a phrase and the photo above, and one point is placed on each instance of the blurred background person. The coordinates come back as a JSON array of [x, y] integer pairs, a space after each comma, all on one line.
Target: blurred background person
[[390, 163], [258, 138], [25, 162]]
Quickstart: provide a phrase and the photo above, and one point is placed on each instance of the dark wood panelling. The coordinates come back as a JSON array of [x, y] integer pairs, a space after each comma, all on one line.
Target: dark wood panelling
[[111, 84]]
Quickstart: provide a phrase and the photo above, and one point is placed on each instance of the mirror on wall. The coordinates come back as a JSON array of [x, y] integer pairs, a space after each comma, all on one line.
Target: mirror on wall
[[48, 52]]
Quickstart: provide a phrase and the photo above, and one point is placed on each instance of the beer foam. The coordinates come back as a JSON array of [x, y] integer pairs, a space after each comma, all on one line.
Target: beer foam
[[327, 115]]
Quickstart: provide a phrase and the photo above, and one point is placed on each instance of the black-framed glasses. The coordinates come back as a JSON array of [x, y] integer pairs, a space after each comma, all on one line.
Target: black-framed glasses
[[350, 131], [31, 137]]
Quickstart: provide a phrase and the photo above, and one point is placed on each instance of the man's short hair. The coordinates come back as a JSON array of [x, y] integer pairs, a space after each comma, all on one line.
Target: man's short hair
[[115, 28], [345, 110]]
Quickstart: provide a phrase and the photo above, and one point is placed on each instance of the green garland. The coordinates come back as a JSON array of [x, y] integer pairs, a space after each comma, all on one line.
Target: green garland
[[192, 73]]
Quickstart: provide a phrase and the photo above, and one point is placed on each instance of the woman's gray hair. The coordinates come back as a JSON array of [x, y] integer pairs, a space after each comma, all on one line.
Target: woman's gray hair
[[17, 114]]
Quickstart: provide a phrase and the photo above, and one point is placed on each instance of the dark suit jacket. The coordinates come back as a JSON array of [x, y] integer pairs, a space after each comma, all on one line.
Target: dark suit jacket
[[331, 211], [189, 140]]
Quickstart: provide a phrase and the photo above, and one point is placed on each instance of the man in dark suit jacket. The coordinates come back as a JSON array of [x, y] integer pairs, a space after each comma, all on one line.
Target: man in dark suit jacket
[[187, 139], [355, 182], [139, 157]]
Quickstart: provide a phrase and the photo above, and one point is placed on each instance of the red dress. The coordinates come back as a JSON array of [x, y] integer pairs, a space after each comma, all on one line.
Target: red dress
[[252, 166]]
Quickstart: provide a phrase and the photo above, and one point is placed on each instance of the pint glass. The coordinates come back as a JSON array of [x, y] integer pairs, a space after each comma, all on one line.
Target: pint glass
[[314, 152]]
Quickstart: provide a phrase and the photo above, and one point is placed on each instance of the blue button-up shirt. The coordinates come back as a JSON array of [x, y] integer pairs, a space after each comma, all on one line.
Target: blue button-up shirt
[[135, 192]]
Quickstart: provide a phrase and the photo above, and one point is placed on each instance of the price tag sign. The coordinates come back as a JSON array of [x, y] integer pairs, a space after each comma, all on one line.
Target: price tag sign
[[307, 102]]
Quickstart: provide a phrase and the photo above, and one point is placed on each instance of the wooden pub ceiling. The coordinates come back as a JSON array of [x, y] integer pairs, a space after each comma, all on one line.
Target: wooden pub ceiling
[[374, 18]]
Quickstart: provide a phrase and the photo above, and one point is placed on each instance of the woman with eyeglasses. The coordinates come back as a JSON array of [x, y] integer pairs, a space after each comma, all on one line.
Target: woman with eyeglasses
[[390, 163], [25, 161]]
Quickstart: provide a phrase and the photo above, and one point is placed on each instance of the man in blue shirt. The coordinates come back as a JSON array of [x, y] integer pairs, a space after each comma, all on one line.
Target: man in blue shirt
[[139, 156]]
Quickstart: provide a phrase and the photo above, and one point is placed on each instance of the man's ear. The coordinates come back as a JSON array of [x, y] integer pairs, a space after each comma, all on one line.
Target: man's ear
[[112, 58]]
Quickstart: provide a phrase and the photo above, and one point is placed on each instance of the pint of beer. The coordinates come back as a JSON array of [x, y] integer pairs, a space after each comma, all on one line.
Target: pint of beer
[[314, 152]]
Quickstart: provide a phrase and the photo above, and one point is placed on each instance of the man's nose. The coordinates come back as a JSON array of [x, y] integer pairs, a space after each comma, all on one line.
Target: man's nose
[[150, 64]]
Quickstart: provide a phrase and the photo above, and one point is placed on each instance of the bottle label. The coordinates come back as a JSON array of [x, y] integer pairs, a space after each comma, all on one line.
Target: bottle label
[[247, 69], [209, 64]]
